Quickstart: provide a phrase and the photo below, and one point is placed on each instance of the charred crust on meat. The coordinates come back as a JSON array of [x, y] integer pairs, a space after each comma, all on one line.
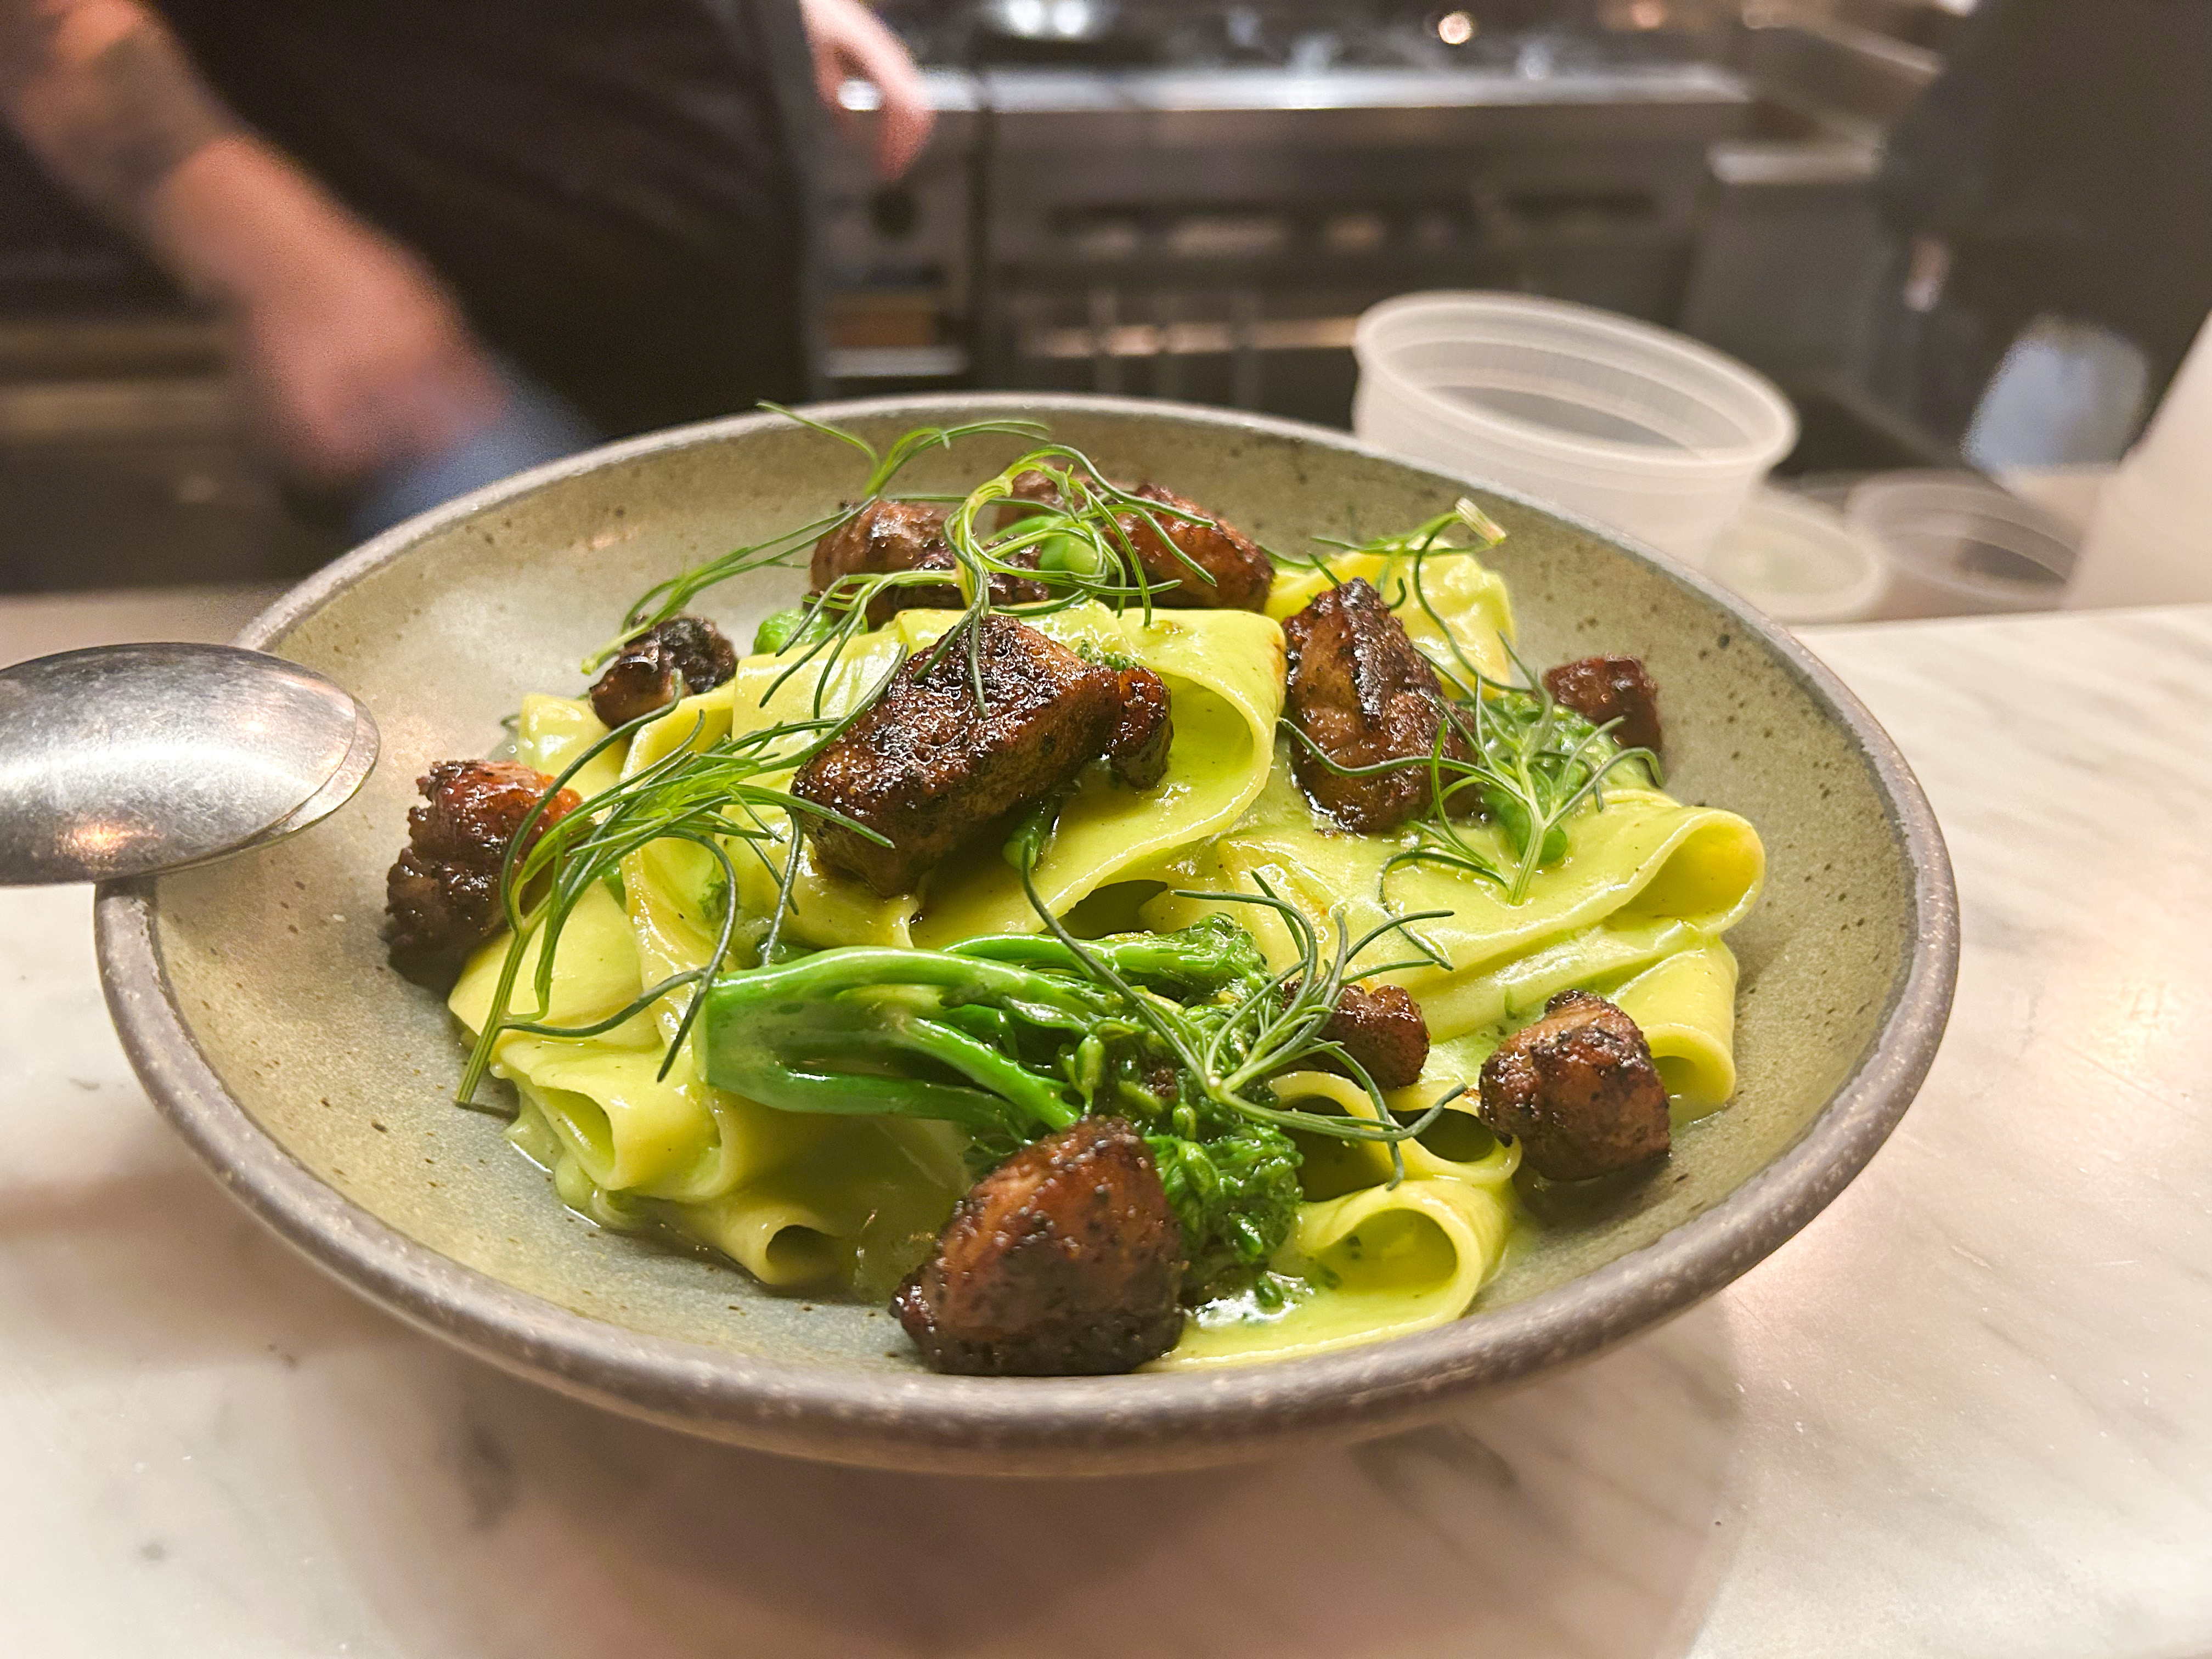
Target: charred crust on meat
[[1241, 573], [1064, 1260], [1362, 695], [927, 769], [1238, 573], [1578, 1091], [882, 536], [1144, 730], [1381, 1027], [442, 894], [644, 674], [1028, 491], [888, 535], [1602, 688]]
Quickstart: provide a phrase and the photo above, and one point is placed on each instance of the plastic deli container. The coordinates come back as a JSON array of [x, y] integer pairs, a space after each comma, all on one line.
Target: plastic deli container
[[1640, 428], [1958, 544], [1800, 562]]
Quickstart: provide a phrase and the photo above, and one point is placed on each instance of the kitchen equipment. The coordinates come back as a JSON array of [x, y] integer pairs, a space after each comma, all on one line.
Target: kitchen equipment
[[1052, 29], [254, 999], [1642, 429], [1799, 562], [1959, 544], [1201, 206], [126, 459], [126, 759]]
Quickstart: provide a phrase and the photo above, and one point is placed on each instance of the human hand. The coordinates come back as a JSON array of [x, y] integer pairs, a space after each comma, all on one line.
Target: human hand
[[359, 360], [850, 44]]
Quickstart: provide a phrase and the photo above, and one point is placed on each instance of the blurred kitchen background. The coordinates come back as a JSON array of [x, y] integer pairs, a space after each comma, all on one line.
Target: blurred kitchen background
[[1170, 197], [1198, 201]]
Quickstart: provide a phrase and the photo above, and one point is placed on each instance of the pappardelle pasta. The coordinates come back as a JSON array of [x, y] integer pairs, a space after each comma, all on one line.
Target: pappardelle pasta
[[1114, 944]]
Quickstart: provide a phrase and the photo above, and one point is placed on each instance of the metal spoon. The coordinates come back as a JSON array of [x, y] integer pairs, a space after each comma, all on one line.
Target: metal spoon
[[129, 759]]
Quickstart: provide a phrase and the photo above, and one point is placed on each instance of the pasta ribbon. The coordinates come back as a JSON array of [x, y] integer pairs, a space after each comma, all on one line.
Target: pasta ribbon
[[1635, 909], [1223, 671], [792, 1197], [553, 731], [1643, 879], [1380, 1261], [1375, 1260]]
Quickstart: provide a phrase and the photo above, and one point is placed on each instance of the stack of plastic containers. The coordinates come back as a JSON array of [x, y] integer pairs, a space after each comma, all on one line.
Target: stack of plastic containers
[[2151, 540], [1643, 430], [1799, 562], [1960, 545]]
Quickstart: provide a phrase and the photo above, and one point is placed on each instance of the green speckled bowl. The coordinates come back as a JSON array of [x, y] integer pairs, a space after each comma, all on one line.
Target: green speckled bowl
[[255, 1001]]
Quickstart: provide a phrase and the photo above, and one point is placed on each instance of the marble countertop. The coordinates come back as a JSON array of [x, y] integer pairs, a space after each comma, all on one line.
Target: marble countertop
[[1967, 1411]]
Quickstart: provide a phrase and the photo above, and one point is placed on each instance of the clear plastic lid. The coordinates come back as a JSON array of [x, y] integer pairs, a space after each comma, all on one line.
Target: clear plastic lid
[[1961, 544], [1799, 562]]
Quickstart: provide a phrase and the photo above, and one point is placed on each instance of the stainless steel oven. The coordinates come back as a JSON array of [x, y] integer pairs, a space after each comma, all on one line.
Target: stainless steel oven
[[1202, 207]]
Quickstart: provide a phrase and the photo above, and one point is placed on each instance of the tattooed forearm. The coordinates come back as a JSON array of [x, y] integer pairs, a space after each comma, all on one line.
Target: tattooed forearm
[[106, 97]]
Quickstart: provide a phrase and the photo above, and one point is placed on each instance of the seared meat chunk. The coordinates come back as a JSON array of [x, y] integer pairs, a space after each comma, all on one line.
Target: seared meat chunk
[[1382, 1028], [927, 769], [882, 536], [1578, 1090], [1363, 695], [1064, 1260], [1240, 573], [442, 894], [1031, 489], [887, 535], [642, 676], [1143, 731], [1602, 688]]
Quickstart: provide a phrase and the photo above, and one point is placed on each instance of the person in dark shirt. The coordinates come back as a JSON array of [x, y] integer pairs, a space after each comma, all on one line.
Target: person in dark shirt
[[409, 208]]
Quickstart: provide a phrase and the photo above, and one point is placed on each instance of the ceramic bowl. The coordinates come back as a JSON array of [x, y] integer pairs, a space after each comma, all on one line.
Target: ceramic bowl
[[255, 1001]]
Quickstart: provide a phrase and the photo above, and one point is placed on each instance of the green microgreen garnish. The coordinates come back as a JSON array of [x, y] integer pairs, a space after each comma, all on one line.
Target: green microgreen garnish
[[1275, 1021], [1077, 546], [707, 796], [1422, 539], [1010, 1036], [1248, 1024], [1014, 1035], [668, 598], [1530, 765]]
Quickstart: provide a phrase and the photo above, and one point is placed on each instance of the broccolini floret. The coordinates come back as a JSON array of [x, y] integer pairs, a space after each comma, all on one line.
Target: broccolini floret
[[1011, 1036]]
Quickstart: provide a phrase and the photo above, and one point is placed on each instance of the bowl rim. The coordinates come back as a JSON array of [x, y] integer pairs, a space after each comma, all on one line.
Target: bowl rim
[[930, 1420]]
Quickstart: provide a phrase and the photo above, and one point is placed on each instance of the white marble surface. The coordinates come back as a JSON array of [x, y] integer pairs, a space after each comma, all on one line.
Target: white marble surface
[[1964, 1413]]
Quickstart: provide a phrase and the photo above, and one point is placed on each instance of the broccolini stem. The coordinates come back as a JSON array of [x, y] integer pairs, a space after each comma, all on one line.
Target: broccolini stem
[[866, 966]]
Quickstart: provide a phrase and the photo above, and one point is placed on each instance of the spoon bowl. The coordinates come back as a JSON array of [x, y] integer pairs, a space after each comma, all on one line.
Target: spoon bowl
[[127, 759]]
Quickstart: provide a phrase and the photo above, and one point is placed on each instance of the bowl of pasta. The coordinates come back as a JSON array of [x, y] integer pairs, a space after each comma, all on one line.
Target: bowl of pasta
[[1045, 934]]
